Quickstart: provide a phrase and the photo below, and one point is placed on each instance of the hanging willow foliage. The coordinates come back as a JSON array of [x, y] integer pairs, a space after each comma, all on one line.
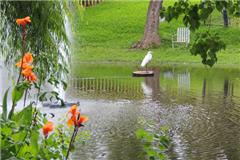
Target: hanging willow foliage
[[48, 20], [46, 37]]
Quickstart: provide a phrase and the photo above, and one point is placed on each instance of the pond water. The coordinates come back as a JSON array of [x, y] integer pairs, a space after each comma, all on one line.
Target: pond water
[[201, 106]]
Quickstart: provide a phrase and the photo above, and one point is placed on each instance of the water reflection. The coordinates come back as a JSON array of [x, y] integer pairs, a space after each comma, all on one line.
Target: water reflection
[[204, 87], [201, 106], [111, 87]]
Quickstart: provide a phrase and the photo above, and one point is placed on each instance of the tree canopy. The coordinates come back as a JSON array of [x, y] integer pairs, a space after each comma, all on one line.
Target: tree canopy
[[193, 15]]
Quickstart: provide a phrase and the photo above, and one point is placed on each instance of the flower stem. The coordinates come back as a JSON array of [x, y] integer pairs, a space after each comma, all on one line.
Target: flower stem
[[72, 140], [11, 111], [39, 89], [20, 71], [25, 97], [23, 51]]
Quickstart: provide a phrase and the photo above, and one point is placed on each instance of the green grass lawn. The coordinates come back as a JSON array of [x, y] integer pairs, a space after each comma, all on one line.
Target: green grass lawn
[[106, 32]]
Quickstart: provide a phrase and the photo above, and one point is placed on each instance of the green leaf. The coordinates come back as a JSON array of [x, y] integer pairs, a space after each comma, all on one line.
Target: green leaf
[[4, 114], [144, 135], [24, 117], [64, 85], [165, 129], [33, 144], [42, 97], [18, 92], [207, 45], [164, 140]]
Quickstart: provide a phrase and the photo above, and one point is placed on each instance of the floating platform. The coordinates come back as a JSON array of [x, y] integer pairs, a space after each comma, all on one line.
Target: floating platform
[[143, 74]]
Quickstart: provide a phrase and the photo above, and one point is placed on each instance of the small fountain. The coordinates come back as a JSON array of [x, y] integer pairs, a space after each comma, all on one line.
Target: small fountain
[[5, 47], [64, 51]]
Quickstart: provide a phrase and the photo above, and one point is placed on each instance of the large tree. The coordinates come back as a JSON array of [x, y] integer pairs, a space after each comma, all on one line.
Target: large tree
[[192, 16], [151, 34]]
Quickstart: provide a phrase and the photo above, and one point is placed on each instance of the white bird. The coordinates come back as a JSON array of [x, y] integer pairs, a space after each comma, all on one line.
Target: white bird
[[147, 59]]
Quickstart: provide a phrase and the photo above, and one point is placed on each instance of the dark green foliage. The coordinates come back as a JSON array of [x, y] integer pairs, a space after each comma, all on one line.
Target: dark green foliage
[[24, 116], [193, 14], [235, 10], [14, 131], [154, 144], [206, 9], [20, 137], [18, 91], [17, 94], [232, 6], [207, 45], [192, 17]]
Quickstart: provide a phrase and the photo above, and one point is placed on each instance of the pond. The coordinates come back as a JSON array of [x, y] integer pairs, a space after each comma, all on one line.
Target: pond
[[201, 106]]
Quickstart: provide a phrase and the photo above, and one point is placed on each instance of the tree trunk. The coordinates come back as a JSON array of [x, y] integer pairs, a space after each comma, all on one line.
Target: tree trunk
[[151, 35], [225, 17]]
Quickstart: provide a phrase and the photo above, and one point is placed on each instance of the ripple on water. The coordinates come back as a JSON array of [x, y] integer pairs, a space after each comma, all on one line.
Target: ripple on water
[[202, 111]]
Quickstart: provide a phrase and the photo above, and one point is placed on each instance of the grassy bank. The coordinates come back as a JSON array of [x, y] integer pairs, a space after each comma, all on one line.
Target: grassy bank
[[107, 31]]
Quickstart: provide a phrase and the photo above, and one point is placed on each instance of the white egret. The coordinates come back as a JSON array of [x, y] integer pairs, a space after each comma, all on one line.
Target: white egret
[[147, 59]]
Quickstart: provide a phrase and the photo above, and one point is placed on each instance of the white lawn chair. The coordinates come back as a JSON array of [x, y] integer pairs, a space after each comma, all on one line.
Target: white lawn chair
[[182, 36]]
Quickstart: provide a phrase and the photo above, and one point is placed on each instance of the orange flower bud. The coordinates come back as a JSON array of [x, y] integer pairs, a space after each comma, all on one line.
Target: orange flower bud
[[47, 128], [23, 21]]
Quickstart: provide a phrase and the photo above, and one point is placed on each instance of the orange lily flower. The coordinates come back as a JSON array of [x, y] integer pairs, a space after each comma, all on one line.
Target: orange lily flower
[[32, 77], [73, 110], [27, 19], [76, 119], [29, 75], [23, 21], [81, 120], [48, 127], [21, 63], [28, 57], [26, 67], [27, 71]]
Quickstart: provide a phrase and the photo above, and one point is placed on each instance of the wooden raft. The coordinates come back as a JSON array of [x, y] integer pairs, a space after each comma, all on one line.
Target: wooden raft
[[143, 74]]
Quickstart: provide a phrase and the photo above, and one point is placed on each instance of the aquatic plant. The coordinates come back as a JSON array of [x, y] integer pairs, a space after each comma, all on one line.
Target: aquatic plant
[[155, 144]]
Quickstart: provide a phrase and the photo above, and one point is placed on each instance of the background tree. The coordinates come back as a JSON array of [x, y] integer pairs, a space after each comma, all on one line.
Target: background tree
[[192, 14], [151, 31]]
